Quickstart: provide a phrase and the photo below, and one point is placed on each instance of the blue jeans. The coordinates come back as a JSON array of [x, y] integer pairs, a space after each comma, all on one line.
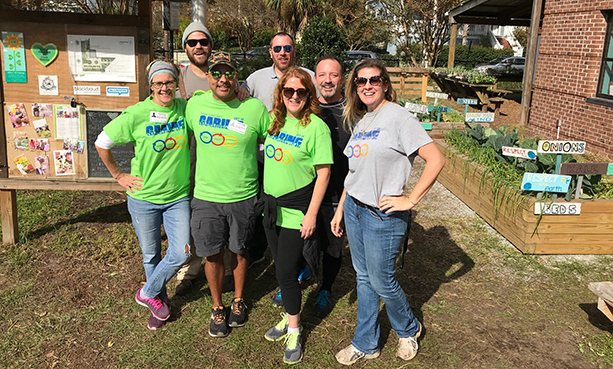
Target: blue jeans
[[147, 219], [374, 240]]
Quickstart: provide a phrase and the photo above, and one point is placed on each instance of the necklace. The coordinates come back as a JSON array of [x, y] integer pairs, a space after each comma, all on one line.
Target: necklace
[[373, 118]]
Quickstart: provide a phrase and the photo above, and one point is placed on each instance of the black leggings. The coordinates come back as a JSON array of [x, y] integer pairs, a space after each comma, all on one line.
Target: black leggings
[[286, 246]]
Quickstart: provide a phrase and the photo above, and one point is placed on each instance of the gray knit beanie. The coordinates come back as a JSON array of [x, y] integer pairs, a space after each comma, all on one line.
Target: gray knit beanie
[[197, 27]]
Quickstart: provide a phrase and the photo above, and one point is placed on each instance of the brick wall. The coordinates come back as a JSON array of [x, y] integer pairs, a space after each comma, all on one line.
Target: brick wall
[[568, 66]]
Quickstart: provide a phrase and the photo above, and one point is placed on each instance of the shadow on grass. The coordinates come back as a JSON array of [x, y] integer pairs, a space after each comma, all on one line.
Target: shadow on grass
[[432, 259], [597, 318], [117, 213]]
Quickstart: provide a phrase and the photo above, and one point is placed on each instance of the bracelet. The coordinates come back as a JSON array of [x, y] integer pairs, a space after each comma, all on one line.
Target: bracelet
[[411, 201]]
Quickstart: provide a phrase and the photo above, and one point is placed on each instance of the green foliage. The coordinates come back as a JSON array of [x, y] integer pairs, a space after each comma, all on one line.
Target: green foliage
[[521, 35], [477, 55], [321, 37], [250, 65], [262, 38]]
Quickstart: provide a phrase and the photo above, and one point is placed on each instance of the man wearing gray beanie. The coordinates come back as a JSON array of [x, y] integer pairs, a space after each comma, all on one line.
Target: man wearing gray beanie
[[198, 45]]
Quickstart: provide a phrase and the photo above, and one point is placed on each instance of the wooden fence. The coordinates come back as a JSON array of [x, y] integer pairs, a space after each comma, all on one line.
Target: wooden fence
[[409, 82]]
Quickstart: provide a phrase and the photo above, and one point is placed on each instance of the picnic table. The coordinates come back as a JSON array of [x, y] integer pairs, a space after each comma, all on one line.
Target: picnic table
[[459, 88]]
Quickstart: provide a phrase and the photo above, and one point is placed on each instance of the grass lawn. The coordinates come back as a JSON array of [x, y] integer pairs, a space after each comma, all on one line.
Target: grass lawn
[[67, 299]]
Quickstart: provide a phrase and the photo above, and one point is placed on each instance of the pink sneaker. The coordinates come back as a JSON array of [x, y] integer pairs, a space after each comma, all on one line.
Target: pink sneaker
[[154, 323], [159, 309]]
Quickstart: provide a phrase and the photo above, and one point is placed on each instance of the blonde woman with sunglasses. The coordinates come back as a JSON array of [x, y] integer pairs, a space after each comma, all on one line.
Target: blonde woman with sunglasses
[[297, 160], [385, 139]]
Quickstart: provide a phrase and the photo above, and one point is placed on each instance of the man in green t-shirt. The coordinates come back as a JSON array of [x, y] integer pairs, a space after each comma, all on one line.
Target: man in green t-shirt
[[227, 131]]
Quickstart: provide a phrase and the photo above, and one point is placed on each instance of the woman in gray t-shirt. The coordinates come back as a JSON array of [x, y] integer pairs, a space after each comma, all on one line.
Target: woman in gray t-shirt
[[385, 138]]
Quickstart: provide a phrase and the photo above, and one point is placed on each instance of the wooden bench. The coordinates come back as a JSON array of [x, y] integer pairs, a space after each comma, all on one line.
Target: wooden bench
[[604, 291]]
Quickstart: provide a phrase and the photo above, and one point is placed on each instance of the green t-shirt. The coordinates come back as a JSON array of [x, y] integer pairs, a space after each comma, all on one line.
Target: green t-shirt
[[290, 159], [226, 136], [161, 152]]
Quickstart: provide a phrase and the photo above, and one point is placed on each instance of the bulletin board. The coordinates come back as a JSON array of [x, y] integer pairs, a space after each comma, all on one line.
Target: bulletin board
[[45, 136]]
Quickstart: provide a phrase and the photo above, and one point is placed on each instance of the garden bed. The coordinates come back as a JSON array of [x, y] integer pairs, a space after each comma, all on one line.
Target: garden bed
[[590, 232]]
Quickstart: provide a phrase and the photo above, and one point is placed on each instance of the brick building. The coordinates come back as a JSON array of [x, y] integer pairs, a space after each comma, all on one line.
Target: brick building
[[573, 74]]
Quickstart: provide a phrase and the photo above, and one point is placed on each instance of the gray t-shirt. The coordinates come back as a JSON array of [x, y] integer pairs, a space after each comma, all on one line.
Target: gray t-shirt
[[261, 84], [193, 83], [381, 152]]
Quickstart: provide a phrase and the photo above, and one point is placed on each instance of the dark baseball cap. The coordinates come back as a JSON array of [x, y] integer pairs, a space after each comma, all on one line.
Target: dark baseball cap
[[221, 57]]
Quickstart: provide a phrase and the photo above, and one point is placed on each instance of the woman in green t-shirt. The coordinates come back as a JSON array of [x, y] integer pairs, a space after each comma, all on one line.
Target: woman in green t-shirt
[[298, 155], [158, 185]]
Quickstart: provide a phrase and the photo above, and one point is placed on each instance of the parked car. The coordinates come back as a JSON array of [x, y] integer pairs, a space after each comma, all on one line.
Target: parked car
[[253, 53], [355, 56], [504, 65]]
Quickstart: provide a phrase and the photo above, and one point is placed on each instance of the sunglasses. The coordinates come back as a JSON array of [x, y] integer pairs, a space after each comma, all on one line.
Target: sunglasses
[[374, 81], [230, 74], [158, 85], [204, 42], [301, 92], [287, 48]]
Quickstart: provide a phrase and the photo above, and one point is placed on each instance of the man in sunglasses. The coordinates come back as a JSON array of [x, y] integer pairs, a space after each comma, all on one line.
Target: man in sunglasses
[[261, 83], [329, 80], [226, 183], [198, 44]]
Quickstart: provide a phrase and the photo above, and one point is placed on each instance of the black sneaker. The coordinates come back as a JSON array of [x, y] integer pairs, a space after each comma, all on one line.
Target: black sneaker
[[238, 313], [218, 327]]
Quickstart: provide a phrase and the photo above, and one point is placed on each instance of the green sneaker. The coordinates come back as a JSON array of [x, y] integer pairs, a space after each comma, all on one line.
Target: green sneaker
[[278, 331], [293, 348]]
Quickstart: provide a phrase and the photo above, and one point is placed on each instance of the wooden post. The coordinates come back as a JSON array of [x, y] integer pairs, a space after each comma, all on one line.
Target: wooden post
[[424, 87], [526, 95], [452, 41], [8, 204]]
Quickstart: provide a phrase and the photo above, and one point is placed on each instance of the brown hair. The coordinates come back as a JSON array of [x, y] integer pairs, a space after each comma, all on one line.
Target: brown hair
[[355, 108], [311, 105]]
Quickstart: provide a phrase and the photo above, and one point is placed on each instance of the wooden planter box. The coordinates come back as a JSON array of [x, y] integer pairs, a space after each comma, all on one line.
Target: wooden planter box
[[590, 232]]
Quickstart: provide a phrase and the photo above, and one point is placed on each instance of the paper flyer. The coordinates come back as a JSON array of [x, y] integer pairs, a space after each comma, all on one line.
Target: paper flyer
[[42, 110], [67, 122], [42, 165], [21, 140], [18, 115], [23, 164], [14, 57], [64, 163], [42, 128], [102, 58]]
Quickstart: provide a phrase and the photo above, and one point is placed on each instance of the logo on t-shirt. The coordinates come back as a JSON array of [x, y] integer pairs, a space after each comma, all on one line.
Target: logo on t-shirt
[[291, 140], [356, 151], [216, 121], [278, 154], [369, 135], [158, 129]]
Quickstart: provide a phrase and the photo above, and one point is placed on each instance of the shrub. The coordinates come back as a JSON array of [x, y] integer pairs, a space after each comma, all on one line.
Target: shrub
[[321, 37], [248, 66], [478, 55]]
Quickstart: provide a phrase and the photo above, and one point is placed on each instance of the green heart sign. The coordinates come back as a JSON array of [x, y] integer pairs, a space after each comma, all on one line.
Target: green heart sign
[[44, 54]]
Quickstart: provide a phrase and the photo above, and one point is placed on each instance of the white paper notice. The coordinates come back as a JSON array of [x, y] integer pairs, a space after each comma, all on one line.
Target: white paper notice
[[67, 122], [102, 58], [47, 85]]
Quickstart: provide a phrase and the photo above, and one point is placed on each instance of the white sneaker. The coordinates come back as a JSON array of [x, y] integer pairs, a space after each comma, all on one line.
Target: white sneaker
[[407, 347], [350, 355]]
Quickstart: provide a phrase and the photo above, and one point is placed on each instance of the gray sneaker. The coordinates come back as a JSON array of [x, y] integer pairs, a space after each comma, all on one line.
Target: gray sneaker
[[218, 326], [350, 355], [407, 346], [293, 348], [278, 331]]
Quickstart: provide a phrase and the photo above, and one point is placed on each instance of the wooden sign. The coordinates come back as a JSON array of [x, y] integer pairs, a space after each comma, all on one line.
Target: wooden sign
[[518, 152], [479, 117], [584, 168], [466, 101], [557, 208], [416, 108], [440, 109], [427, 126], [436, 95], [561, 147], [545, 182]]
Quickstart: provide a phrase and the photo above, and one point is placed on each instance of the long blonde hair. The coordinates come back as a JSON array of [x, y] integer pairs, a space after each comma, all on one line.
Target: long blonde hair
[[355, 108], [279, 110]]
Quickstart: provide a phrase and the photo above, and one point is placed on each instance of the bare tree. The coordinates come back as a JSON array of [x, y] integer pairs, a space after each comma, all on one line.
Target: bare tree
[[424, 21], [75, 6]]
